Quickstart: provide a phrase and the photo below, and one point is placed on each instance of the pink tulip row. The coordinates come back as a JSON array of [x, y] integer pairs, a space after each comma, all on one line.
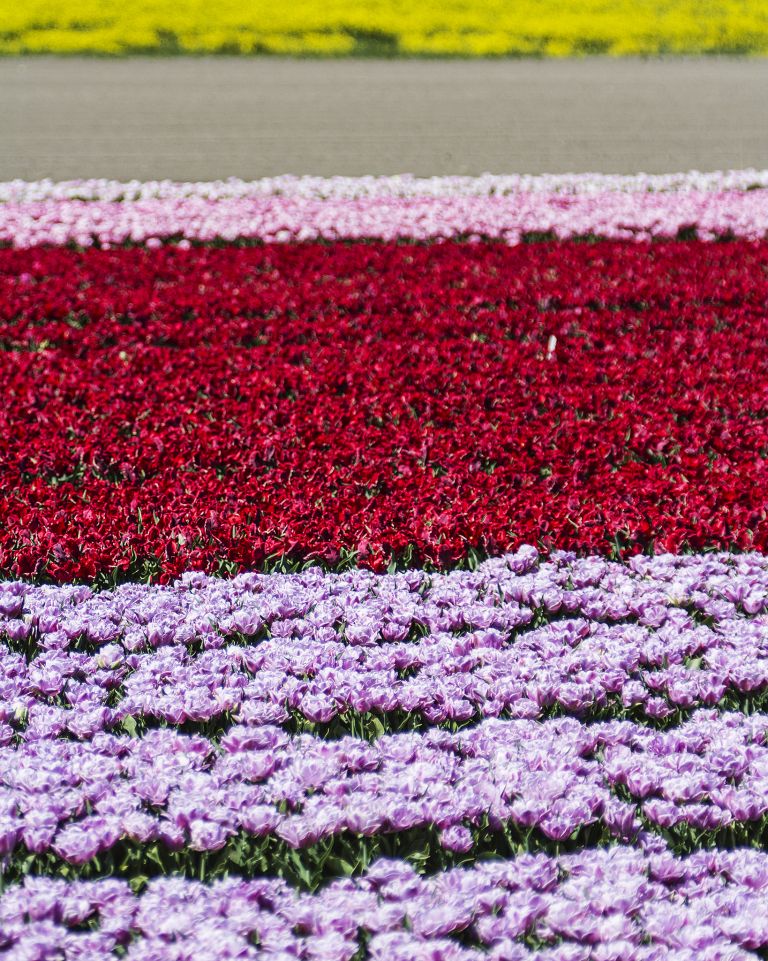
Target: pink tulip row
[[38, 214]]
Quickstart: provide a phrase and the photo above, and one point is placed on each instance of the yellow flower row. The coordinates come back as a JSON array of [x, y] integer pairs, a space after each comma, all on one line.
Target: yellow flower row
[[399, 27]]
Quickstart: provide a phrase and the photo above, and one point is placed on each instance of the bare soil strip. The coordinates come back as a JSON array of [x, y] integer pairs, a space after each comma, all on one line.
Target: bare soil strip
[[209, 118]]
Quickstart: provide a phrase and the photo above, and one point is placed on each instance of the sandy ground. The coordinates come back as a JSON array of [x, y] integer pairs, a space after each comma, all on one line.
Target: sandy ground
[[201, 119]]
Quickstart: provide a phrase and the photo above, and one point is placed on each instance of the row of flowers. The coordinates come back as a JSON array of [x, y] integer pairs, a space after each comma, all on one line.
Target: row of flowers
[[615, 903], [101, 769], [212, 408], [509, 218], [117, 803], [519, 638], [382, 187], [386, 28]]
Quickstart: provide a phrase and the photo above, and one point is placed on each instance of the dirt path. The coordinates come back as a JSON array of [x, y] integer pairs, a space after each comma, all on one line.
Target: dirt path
[[201, 119]]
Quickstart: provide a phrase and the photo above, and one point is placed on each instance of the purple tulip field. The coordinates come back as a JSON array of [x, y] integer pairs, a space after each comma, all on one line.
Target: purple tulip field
[[549, 757]]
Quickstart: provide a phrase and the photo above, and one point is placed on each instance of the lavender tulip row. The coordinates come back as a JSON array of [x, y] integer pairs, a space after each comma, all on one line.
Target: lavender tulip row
[[151, 729], [518, 638], [499, 787], [402, 185], [510, 217], [616, 904]]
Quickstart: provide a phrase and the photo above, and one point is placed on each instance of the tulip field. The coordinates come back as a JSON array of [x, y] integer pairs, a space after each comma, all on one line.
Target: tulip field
[[384, 569]]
